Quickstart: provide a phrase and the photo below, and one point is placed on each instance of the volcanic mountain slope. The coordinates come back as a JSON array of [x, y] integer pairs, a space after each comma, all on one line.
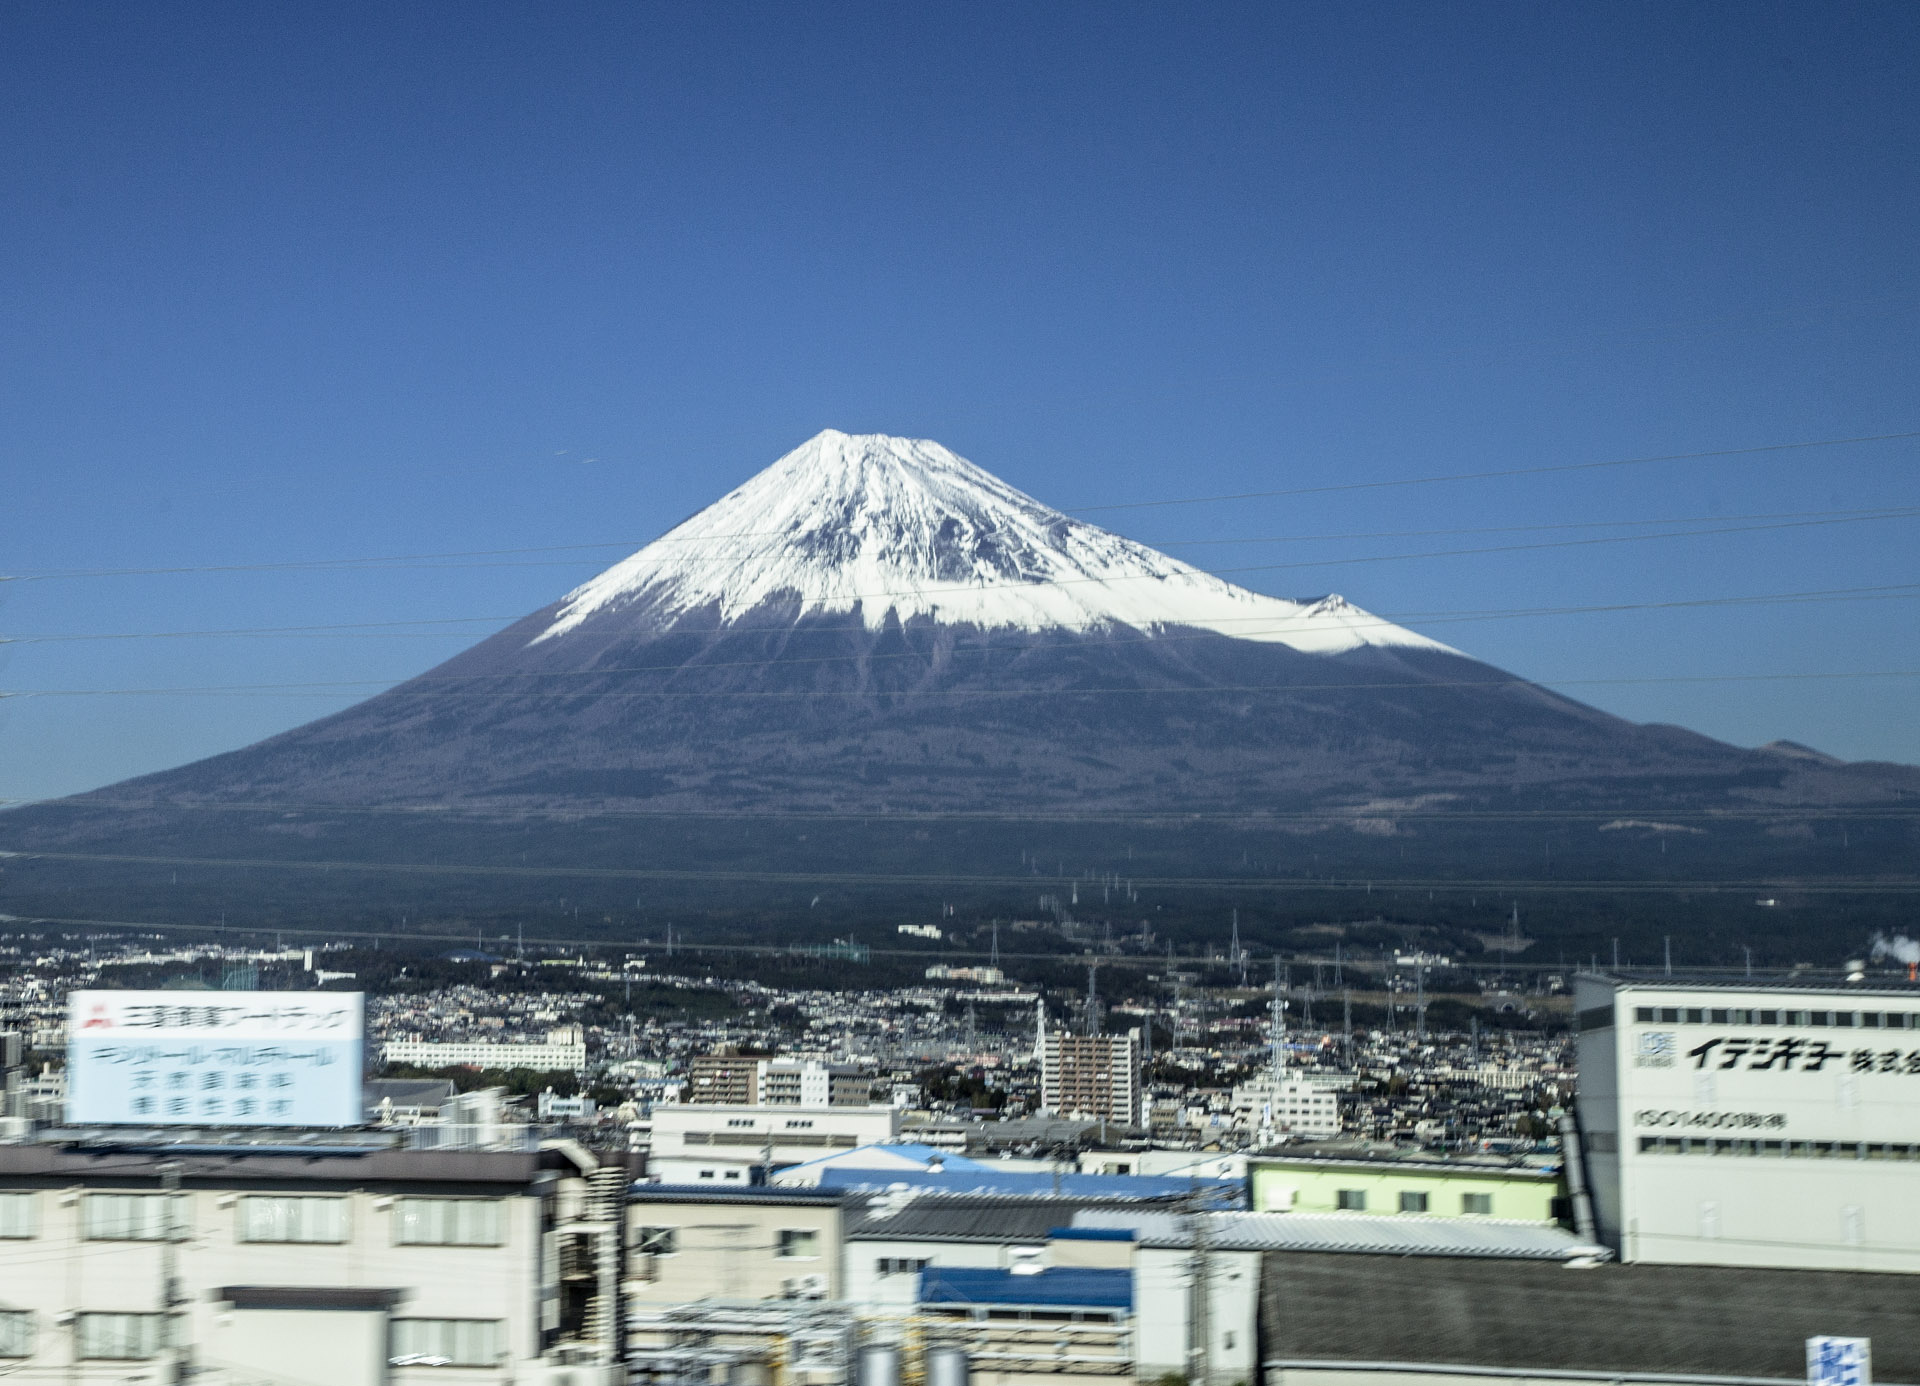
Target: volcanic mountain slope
[[874, 623]]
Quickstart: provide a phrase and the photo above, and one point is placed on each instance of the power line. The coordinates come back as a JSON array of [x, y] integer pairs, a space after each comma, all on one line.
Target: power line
[[439, 811], [1374, 884], [1883, 592], [1507, 472], [1548, 685], [52, 575]]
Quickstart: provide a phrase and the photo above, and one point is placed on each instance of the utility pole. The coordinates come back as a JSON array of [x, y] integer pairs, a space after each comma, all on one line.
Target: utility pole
[[1200, 1311], [176, 1352]]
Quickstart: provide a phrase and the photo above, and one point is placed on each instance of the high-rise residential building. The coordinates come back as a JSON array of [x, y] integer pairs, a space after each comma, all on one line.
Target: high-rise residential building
[[729, 1078], [724, 1076], [1093, 1076]]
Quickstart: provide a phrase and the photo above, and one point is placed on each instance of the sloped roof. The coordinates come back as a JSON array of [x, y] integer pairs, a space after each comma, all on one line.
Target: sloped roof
[[1380, 1235]]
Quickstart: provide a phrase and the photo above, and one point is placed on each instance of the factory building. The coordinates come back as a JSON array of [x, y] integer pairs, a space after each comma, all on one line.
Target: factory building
[[1742, 1125]]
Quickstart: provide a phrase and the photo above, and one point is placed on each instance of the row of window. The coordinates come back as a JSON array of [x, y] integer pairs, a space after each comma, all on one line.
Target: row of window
[[143, 1217], [1471, 1204], [1714, 1015], [1798, 1150], [137, 1337], [791, 1243]]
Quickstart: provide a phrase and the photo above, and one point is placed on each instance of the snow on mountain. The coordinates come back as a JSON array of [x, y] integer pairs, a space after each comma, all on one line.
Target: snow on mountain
[[876, 525]]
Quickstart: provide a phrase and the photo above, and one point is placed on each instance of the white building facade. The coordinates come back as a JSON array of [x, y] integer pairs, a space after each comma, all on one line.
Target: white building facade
[[565, 1049], [716, 1143], [1739, 1125], [353, 1268]]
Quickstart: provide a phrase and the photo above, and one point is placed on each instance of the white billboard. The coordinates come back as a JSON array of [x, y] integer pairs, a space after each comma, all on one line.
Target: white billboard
[[215, 1058], [1768, 1067]]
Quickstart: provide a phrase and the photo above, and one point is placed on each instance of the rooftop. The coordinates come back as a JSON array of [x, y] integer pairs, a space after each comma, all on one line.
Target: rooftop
[[1350, 1232], [1056, 1286]]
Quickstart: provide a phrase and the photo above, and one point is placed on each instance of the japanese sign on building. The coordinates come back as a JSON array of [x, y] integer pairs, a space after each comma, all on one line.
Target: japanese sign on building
[[214, 1058], [1839, 1362]]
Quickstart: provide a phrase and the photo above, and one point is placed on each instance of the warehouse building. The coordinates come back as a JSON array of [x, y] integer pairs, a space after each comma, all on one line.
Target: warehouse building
[[1741, 1125]]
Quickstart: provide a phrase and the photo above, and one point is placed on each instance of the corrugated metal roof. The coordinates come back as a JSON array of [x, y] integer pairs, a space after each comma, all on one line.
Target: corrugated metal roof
[[1056, 1287], [1351, 1232], [946, 1218]]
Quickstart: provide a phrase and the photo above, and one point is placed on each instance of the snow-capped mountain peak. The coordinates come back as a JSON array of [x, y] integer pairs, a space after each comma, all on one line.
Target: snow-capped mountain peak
[[871, 524]]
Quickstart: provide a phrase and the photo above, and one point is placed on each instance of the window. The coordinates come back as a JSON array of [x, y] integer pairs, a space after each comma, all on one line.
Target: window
[[285, 1219], [1411, 1202], [449, 1222], [900, 1265], [19, 1215], [798, 1243], [1477, 1205], [445, 1342], [657, 1241], [119, 1337], [16, 1333], [1351, 1200], [111, 1217]]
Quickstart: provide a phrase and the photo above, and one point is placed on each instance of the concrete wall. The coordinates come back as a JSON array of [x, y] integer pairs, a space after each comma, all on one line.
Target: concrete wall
[[298, 1347], [728, 1250], [1162, 1278], [1316, 1187]]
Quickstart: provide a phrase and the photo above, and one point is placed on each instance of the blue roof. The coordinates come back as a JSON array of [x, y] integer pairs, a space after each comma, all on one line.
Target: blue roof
[[1090, 1234], [1056, 1287], [984, 1178]]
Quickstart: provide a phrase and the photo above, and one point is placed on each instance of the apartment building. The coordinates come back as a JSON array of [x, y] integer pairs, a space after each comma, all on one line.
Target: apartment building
[[731, 1079], [348, 1265], [1093, 1077]]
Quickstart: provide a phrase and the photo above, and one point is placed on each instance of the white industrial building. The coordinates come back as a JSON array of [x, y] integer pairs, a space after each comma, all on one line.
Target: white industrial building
[[565, 1049], [1745, 1125], [722, 1143]]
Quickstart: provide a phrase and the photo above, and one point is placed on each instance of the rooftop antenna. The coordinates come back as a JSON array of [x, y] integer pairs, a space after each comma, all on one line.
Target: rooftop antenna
[[1339, 978], [1233, 949]]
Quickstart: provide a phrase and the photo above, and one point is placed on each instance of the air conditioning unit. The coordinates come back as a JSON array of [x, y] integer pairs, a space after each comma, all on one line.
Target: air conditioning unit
[[811, 1287]]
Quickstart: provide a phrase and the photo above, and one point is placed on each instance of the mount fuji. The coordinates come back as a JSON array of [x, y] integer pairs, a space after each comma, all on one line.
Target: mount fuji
[[874, 624], [875, 631]]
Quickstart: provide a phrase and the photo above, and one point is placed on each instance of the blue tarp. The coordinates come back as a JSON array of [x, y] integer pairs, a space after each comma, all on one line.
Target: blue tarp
[[1057, 1287]]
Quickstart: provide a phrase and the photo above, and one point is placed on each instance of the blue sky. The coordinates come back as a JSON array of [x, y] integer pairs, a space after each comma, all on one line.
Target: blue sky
[[303, 283]]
